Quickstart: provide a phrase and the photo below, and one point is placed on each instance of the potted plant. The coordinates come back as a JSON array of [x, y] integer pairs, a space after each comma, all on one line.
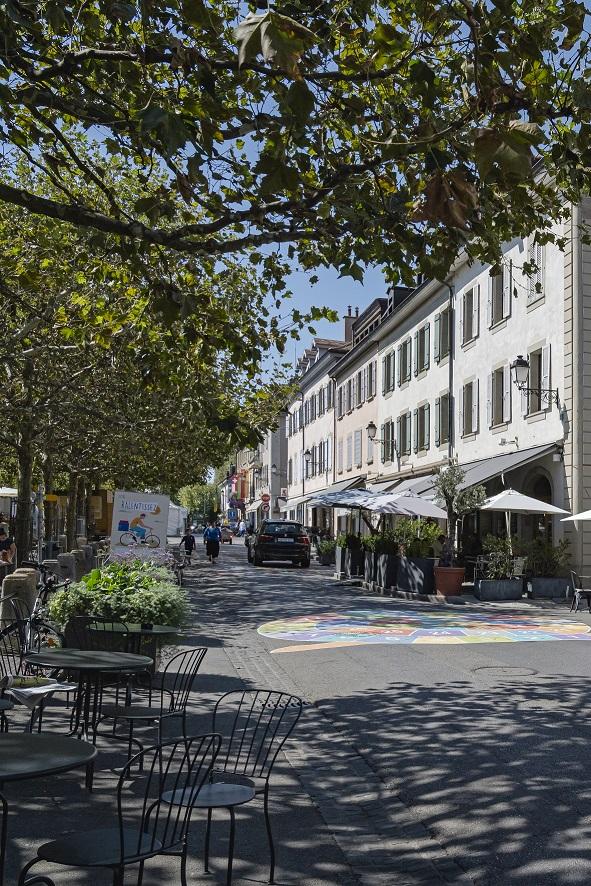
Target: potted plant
[[351, 556], [547, 564], [387, 550], [370, 557], [416, 564], [457, 500], [326, 552], [498, 583]]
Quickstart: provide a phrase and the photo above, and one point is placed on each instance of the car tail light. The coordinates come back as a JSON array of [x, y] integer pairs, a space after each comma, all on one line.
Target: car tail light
[[304, 539], [265, 538]]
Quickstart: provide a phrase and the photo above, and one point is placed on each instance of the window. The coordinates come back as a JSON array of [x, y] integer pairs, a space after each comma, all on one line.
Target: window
[[421, 350], [539, 378], [340, 407], [349, 395], [359, 389], [404, 433], [442, 423], [421, 418], [290, 425], [371, 379], [499, 299], [388, 373], [357, 444], [404, 361], [536, 258], [340, 457], [329, 395], [469, 311], [312, 409], [350, 452], [469, 413], [320, 401], [442, 336], [290, 472], [388, 441], [498, 401]]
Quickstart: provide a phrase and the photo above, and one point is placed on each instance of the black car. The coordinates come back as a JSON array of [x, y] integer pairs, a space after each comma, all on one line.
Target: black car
[[280, 540]]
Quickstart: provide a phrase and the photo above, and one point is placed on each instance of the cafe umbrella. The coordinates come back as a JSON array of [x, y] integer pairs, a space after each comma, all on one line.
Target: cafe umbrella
[[512, 502]]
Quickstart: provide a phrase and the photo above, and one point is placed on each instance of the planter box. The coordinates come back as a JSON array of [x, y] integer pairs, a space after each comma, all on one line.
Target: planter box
[[353, 562], [326, 559], [549, 587], [339, 561], [387, 570], [499, 589], [415, 575], [370, 566]]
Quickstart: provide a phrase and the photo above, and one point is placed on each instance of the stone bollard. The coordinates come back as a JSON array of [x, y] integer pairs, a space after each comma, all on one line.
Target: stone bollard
[[67, 565], [81, 540], [80, 563], [21, 586], [88, 557]]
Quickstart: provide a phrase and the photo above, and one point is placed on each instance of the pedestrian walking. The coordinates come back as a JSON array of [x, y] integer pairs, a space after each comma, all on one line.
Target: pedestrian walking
[[242, 529], [212, 538], [188, 543]]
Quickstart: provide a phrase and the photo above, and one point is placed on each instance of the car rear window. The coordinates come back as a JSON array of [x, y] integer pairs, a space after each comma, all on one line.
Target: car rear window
[[282, 529]]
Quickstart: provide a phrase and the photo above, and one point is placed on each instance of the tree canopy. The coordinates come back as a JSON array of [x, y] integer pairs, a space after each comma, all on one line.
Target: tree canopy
[[395, 132]]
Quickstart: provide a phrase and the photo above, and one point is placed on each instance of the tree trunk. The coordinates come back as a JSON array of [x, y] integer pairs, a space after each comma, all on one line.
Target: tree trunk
[[23, 505], [71, 510], [49, 506]]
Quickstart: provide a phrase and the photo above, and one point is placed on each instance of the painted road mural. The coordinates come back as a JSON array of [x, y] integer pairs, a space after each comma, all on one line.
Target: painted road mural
[[360, 626]]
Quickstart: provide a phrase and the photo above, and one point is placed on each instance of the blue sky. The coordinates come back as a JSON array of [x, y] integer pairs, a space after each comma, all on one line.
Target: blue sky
[[335, 292]]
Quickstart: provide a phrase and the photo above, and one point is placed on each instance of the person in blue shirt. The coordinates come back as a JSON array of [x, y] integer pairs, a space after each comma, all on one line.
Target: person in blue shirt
[[212, 538]]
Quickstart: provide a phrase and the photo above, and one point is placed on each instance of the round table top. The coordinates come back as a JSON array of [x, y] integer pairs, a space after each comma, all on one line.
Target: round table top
[[88, 660], [29, 755], [137, 629]]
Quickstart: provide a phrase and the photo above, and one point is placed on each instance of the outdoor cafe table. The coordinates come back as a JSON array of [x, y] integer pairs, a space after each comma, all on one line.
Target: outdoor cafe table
[[25, 755], [90, 665]]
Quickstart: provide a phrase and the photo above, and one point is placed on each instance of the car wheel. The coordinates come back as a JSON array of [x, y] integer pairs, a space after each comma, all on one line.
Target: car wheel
[[306, 564], [230, 540]]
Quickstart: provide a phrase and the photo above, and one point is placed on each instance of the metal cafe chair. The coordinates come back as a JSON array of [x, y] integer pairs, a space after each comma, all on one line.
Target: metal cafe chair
[[177, 682], [579, 591], [143, 829], [254, 724]]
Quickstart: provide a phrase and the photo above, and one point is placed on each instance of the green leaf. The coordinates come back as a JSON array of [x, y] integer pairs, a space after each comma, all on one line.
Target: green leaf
[[300, 100]]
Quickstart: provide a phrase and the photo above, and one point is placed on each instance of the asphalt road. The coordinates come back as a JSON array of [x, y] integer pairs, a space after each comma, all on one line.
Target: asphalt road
[[485, 748]]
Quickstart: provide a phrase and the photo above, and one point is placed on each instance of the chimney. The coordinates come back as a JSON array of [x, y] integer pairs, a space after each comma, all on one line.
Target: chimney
[[349, 320], [356, 312]]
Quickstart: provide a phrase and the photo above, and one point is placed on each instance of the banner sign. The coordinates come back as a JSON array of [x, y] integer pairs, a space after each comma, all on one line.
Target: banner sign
[[140, 521]]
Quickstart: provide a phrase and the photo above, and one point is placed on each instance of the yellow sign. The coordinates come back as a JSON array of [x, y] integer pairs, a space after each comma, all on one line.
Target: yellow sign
[[50, 497]]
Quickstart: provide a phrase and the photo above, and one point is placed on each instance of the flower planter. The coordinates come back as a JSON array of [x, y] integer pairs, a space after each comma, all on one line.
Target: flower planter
[[415, 575], [370, 566], [449, 580], [326, 559], [546, 588], [387, 570], [499, 589], [353, 562]]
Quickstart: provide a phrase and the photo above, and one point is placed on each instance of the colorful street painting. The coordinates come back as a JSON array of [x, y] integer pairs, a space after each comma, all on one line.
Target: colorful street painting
[[356, 627]]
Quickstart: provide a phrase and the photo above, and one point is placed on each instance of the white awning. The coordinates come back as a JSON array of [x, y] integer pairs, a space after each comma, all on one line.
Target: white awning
[[516, 502]]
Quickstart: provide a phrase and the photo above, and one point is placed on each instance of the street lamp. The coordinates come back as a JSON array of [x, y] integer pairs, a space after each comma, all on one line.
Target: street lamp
[[308, 456], [520, 372], [372, 430]]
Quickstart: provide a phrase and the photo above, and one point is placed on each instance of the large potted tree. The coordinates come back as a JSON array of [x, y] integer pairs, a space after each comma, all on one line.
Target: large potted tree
[[547, 568], [498, 582], [458, 500]]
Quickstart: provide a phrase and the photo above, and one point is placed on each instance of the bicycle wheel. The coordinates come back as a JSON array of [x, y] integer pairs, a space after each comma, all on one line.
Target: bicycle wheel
[[127, 538], [152, 541]]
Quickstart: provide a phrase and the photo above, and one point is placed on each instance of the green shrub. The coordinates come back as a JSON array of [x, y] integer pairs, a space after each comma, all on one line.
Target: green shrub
[[500, 562], [416, 537], [347, 540], [545, 560], [129, 592], [327, 546]]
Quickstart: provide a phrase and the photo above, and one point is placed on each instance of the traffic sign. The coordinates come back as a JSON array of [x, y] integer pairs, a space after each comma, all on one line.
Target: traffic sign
[[265, 497]]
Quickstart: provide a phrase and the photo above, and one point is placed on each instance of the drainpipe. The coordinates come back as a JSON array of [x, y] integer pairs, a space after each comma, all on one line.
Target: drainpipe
[[576, 429], [450, 365]]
